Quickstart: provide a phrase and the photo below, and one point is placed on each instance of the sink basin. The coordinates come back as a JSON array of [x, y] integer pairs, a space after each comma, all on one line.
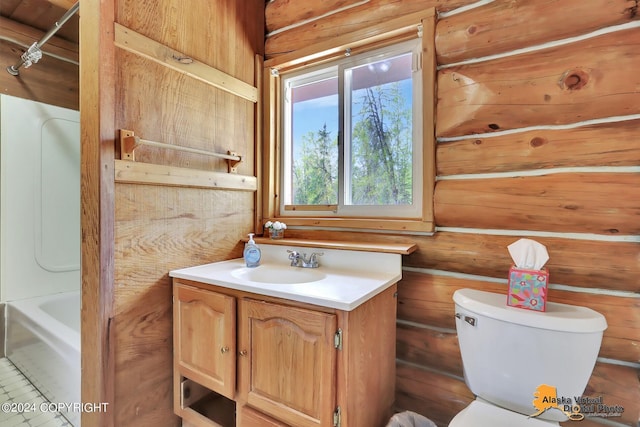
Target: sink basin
[[278, 274]]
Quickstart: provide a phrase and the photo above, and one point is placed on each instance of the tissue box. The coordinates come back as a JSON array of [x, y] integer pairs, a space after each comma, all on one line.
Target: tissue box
[[528, 288]]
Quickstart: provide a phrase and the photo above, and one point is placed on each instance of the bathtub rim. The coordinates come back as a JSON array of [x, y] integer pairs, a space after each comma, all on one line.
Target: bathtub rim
[[29, 308]]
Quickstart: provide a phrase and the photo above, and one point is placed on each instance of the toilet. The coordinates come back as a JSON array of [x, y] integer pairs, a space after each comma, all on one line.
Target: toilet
[[508, 353]]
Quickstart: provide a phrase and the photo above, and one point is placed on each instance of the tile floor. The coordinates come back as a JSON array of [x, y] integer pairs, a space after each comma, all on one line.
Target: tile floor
[[16, 390]]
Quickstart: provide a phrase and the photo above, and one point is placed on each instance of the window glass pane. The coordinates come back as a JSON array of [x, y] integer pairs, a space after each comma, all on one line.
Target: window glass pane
[[314, 142], [379, 159]]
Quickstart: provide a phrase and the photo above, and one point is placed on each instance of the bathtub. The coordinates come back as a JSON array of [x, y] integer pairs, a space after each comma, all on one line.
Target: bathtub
[[43, 342]]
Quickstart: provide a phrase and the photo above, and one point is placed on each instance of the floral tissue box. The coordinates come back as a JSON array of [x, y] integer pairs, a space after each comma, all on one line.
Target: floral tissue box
[[528, 288]]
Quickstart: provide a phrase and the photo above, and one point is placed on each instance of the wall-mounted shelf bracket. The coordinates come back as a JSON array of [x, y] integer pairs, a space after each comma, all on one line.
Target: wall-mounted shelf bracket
[[233, 164]]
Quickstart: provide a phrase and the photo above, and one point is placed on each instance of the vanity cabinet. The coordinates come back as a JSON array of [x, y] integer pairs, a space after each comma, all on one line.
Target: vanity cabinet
[[205, 338], [247, 360]]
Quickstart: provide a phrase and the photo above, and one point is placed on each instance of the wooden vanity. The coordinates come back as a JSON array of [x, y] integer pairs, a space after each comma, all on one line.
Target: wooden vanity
[[247, 359]]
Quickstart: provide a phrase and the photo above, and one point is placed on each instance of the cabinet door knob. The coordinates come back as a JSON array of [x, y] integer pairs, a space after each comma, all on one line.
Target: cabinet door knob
[[243, 352], [224, 350]]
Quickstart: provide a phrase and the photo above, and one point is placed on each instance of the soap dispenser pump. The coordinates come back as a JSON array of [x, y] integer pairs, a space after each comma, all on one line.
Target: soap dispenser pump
[[252, 253]]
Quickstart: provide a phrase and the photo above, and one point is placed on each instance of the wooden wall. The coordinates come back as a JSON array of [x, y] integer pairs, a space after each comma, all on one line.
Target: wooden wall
[[133, 233], [52, 81], [538, 113]]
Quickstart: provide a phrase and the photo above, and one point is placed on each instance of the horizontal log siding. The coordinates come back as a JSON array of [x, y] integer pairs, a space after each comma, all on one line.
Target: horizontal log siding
[[588, 79], [603, 144], [365, 16], [533, 141], [601, 203], [426, 299], [283, 13], [473, 34], [574, 262]]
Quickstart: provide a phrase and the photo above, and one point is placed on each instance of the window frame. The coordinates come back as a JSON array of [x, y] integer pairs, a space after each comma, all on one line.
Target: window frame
[[411, 26], [339, 69]]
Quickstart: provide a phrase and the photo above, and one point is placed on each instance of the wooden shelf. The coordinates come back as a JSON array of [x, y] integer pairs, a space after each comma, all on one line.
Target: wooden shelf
[[136, 43], [145, 173], [383, 247]]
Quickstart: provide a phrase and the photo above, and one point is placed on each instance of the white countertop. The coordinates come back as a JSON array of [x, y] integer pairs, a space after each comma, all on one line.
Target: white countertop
[[344, 280]]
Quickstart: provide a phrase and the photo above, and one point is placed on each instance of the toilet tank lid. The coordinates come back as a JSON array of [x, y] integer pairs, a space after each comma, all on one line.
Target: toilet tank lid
[[557, 317]]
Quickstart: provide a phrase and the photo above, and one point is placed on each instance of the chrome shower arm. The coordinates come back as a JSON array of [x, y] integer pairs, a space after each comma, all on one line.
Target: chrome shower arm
[[33, 54]]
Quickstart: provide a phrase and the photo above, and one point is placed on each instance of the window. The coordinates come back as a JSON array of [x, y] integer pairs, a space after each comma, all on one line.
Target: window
[[351, 135], [351, 132]]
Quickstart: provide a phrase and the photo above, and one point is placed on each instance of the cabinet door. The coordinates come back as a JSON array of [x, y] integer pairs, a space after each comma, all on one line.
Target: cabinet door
[[205, 338], [288, 362]]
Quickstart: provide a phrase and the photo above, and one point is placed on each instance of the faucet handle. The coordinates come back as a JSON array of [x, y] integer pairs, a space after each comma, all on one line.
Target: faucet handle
[[294, 256], [313, 256], [313, 261]]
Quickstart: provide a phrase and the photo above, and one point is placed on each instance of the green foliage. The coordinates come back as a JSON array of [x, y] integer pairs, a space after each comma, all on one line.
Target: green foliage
[[315, 172], [380, 157], [382, 144]]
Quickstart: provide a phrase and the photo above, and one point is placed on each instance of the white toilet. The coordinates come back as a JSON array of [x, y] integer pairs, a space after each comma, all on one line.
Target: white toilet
[[508, 352]]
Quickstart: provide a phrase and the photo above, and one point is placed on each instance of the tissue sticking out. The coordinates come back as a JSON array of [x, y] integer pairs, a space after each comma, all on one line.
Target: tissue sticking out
[[529, 254]]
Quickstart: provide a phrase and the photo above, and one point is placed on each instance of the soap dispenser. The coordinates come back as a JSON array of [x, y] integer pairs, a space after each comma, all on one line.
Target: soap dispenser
[[252, 253]]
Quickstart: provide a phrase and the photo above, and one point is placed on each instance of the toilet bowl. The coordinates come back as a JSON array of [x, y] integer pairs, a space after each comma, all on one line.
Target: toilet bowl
[[513, 357]]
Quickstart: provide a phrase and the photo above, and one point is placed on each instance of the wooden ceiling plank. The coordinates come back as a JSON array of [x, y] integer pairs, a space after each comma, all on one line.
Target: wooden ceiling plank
[[26, 36]]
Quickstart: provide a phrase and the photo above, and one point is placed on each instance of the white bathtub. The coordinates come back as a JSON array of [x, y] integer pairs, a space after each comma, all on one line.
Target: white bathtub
[[43, 341]]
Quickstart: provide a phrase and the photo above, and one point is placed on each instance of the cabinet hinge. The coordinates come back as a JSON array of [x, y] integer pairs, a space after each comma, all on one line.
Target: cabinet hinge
[[337, 339], [337, 417]]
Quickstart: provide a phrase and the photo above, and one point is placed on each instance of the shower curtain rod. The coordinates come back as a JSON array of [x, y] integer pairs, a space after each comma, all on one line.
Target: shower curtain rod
[[33, 53]]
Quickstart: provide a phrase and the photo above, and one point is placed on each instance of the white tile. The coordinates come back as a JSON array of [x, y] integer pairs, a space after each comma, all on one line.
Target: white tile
[[14, 387]]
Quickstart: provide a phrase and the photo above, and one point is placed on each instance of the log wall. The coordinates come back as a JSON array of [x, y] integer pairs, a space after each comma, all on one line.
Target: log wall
[[537, 125], [135, 233]]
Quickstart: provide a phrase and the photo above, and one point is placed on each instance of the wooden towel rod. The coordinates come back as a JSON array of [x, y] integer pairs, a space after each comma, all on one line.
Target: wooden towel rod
[[129, 142]]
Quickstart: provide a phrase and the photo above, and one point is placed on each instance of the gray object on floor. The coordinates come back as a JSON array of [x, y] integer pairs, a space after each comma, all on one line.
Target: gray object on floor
[[410, 419]]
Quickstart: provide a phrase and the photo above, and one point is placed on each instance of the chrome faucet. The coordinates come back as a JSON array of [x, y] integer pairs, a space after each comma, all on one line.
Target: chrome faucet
[[301, 260]]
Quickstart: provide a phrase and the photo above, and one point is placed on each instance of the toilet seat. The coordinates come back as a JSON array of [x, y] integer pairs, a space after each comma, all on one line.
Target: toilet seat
[[483, 414]]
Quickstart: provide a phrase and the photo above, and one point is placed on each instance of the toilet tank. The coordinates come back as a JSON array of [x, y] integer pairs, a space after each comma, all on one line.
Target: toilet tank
[[508, 352]]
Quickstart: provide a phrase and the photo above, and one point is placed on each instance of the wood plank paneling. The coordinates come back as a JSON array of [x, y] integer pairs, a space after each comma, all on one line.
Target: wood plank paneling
[[178, 121], [224, 30], [486, 30], [606, 144], [43, 15], [27, 35], [138, 44], [159, 228], [580, 263], [588, 79], [142, 330], [97, 134], [361, 17], [601, 203], [51, 80], [427, 299]]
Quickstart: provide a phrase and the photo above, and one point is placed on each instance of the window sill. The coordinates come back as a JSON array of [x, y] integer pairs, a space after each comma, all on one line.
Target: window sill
[[363, 224], [383, 247]]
